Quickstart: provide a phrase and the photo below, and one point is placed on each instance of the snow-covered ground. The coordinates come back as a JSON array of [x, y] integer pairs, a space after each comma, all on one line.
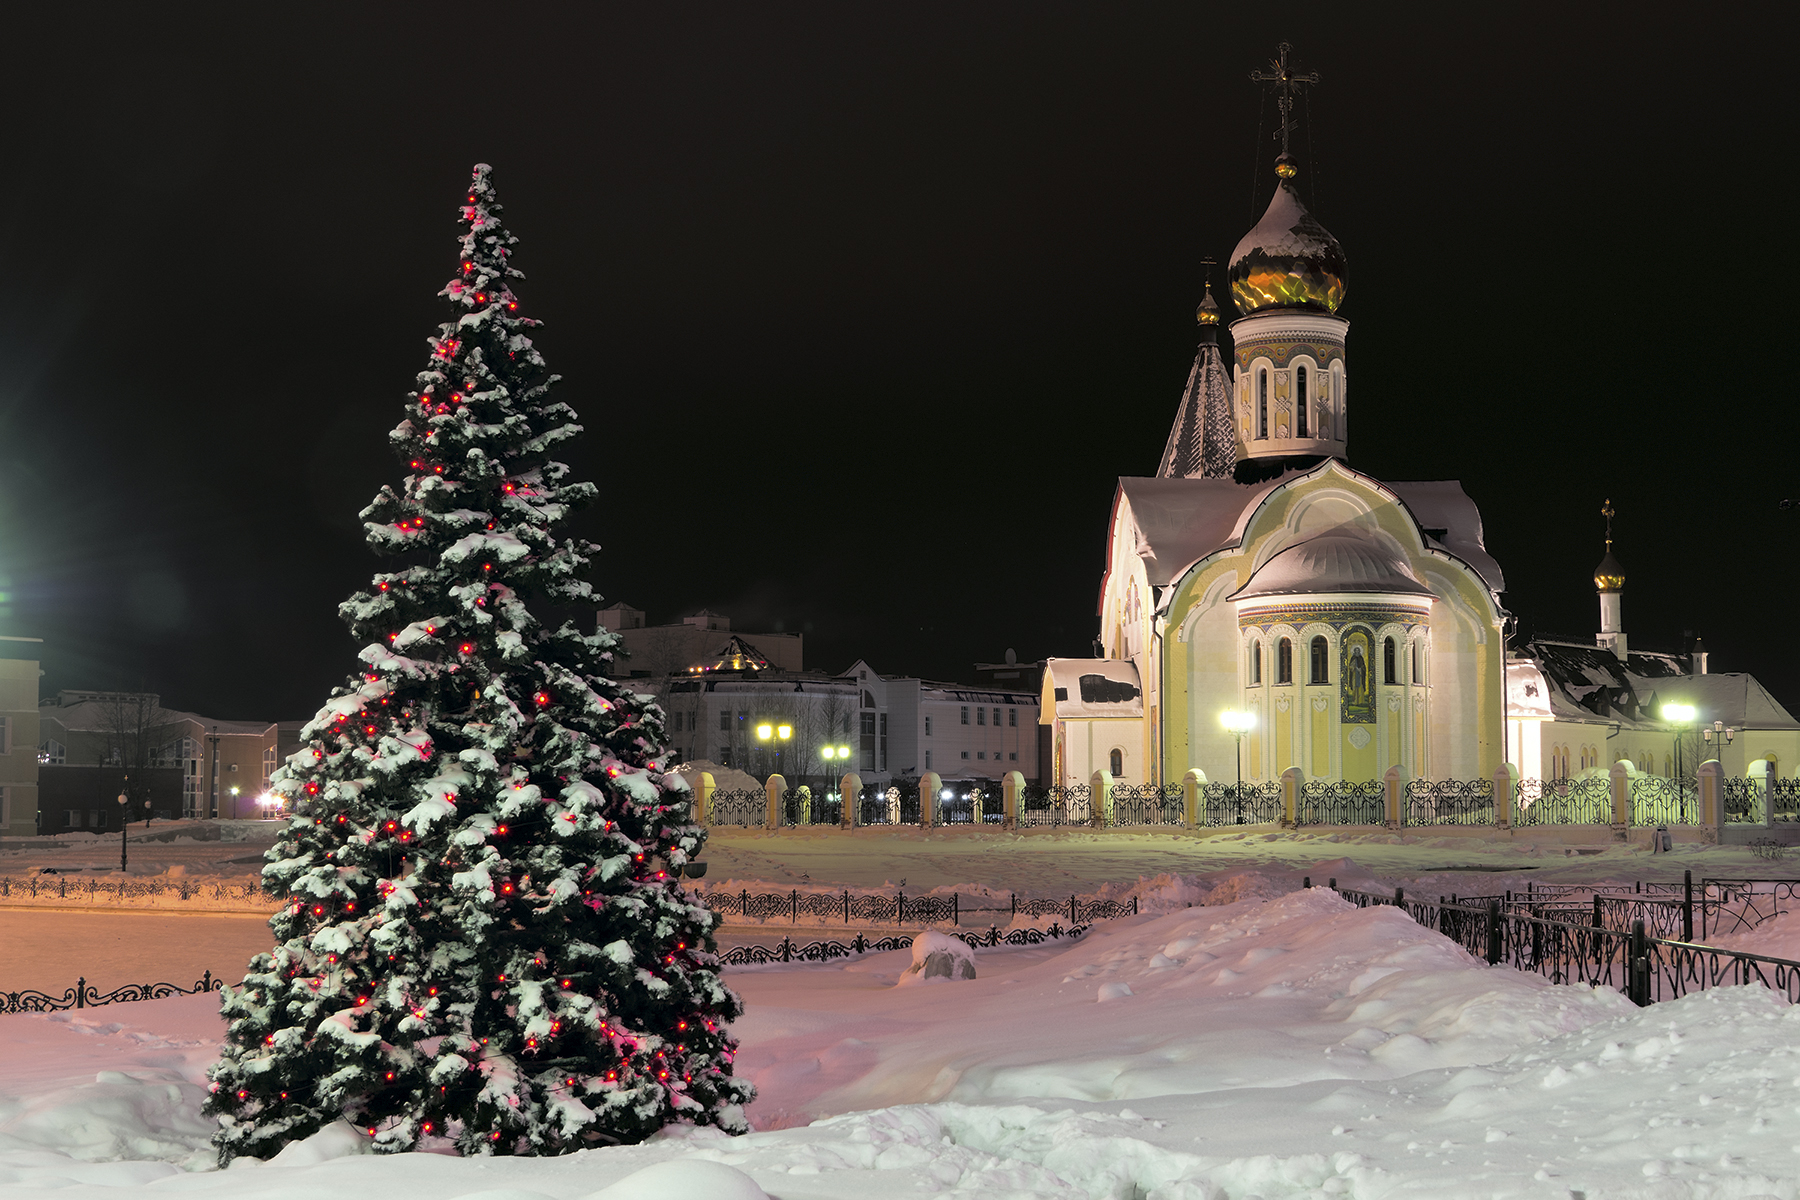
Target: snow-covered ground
[[1283, 1044]]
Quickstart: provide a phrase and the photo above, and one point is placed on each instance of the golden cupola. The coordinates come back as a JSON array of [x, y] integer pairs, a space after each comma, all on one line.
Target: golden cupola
[[1289, 260]]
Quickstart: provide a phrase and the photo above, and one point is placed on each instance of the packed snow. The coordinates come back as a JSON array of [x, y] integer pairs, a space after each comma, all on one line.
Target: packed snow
[[1267, 1042]]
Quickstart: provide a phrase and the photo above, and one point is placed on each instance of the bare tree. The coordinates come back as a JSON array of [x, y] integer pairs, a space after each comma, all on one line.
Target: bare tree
[[136, 731]]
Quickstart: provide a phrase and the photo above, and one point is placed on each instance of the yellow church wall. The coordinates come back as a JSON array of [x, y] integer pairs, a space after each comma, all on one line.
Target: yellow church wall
[[1458, 734]]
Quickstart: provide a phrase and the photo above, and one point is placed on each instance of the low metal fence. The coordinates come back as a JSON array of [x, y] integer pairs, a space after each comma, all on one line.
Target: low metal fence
[[804, 806], [788, 950], [1784, 798], [1656, 800], [1585, 801], [1226, 804], [897, 908], [1341, 802], [1148, 804], [102, 891], [1050, 806], [82, 995], [1449, 802], [1742, 800], [895, 803], [740, 806], [1743, 904], [1647, 969]]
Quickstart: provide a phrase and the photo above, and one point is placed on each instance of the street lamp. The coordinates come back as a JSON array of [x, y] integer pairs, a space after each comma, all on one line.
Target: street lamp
[[1238, 724], [778, 734], [1719, 736], [234, 796], [124, 819], [1678, 715]]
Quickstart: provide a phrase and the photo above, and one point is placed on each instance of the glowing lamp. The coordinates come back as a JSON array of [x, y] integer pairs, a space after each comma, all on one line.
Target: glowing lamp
[[763, 732], [1238, 722], [1679, 714]]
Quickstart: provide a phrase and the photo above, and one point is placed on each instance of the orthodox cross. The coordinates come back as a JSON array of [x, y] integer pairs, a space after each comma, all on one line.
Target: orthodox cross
[[1286, 83], [1209, 264], [1606, 510]]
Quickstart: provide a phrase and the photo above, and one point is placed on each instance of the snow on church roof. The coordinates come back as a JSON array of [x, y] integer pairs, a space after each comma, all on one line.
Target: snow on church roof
[[1345, 560], [1181, 521], [1095, 687]]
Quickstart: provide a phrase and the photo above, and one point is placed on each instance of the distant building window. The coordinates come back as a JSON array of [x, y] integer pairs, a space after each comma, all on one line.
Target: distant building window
[[1013, 756], [53, 753], [981, 716], [1256, 662], [1117, 762], [69, 817], [927, 726], [1012, 718], [881, 763], [996, 718], [1300, 401], [981, 754], [1388, 669], [965, 754], [1321, 661], [928, 760], [725, 721], [868, 700], [965, 718], [5, 735], [1284, 661]]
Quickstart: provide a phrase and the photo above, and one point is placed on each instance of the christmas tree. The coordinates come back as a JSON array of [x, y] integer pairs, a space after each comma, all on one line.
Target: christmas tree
[[483, 941]]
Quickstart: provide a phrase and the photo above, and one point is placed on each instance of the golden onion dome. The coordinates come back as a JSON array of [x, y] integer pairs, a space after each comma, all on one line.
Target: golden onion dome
[[1208, 312], [1289, 260], [1609, 576]]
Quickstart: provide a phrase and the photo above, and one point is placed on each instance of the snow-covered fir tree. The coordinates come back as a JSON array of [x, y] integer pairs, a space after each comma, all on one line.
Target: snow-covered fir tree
[[483, 940]]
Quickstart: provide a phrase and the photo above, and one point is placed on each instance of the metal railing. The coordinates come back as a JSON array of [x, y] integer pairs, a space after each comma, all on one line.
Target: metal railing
[[1226, 804], [1657, 800], [788, 950], [95, 891], [1646, 968], [740, 806], [1742, 800], [1341, 802], [1449, 802], [1050, 806], [1148, 804], [804, 806], [84, 996], [1586, 801], [897, 908]]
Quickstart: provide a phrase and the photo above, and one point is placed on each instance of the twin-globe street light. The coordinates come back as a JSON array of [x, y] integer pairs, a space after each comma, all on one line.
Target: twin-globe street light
[[1238, 724], [778, 734]]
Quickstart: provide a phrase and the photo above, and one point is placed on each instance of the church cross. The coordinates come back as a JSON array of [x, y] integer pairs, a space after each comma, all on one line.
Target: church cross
[[1286, 83], [1606, 510]]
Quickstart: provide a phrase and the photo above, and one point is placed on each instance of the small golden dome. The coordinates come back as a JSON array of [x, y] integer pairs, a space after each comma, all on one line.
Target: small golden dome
[[1609, 576], [1289, 260], [1208, 312]]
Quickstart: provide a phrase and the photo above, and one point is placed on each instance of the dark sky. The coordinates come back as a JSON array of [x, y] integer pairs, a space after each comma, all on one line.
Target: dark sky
[[866, 306]]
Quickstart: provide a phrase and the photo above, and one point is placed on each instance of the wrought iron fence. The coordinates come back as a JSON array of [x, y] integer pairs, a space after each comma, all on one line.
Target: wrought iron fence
[[893, 803], [1747, 903], [739, 806], [1586, 801], [1742, 800], [875, 907], [1449, 802], [99, 891], [1656, 800], [1341, 802], [803, 806], [1646, 968], [1784, 798], [1047, 806], [1224, 804], [1148, 804], [788, 950], [82, 995]]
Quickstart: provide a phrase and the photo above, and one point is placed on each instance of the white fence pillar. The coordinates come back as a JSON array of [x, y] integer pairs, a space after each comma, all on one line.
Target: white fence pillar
[[1619, 775], [930, 784], [1710, 778], [1193, 785], [773, 790], [704, 787], [1100, 806], [1012, 783], [1506, 795], [1293, 783], [850, 788], [1393, 786]]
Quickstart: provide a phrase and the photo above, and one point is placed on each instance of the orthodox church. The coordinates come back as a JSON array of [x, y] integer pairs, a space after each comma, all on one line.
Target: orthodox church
[[1266, 605]]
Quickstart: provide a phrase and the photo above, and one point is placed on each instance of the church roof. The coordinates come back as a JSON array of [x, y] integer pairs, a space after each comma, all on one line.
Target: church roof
[[1095, 687], [1343, 560], [1589, 683], [1181, 521]]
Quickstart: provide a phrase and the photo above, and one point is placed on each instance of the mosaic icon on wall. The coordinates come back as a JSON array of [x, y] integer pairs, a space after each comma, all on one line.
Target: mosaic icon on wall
[[1358, 686]]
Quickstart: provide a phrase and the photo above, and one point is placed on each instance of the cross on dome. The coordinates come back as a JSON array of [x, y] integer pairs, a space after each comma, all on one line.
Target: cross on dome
[[1286, 82]]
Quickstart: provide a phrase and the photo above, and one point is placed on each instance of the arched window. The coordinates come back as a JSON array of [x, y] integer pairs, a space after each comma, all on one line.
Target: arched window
[[1262, 404], [1300, 401], [1321, 661], [1418, 665], [1387, 661], [1117, 763], [1256, 662], [1284, 661]]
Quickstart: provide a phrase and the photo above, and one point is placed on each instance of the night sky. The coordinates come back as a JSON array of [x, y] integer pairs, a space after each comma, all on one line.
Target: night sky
[[865, 307]]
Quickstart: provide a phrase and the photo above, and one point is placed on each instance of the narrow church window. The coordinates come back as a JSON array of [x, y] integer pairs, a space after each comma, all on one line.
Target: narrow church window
[[1418, 668], [1321, 664], [1300, 404], [1387, 661], [1284, 661], [1262, 404], [1117, 764], [1256, 662]]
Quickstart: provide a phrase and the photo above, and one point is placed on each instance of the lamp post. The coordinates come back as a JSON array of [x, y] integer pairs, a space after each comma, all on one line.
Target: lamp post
[[124, 819], [1680, 716], [1238, 723], [779, 735], [1719, 736], [234, 796]]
